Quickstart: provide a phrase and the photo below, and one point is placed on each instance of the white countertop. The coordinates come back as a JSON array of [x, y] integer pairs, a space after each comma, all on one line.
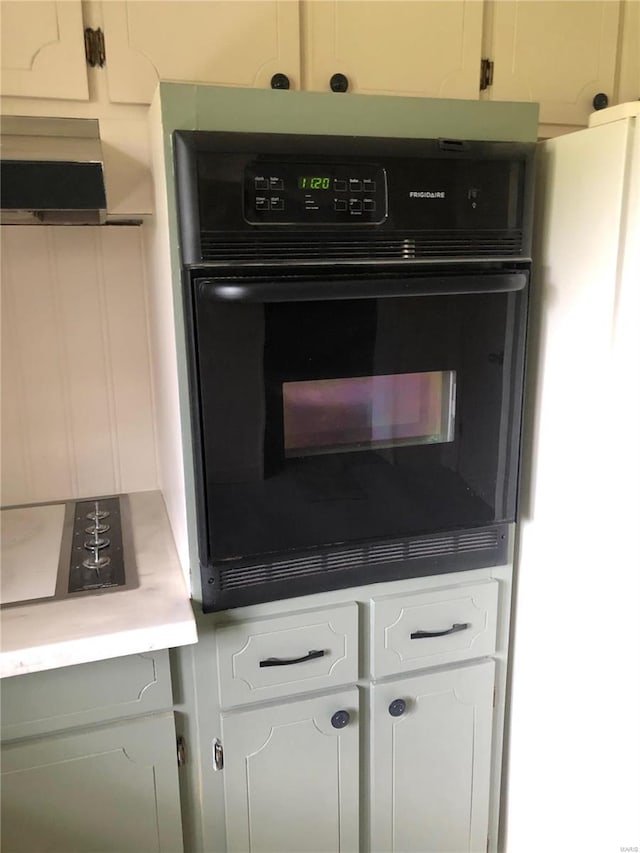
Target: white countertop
[[62, 632], [31, 538]]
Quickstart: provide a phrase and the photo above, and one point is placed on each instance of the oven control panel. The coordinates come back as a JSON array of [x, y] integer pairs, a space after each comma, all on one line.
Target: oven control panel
[[314, 194]]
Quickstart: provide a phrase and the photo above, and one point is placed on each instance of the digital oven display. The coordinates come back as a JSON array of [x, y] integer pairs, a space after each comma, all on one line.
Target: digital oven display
[[277, 193], [310, 182]]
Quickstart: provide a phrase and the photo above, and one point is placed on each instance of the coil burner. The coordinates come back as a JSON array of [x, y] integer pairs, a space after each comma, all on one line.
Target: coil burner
[[99, 545]]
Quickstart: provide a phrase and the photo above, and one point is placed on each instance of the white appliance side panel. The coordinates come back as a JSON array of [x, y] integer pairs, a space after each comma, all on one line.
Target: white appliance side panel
[[622, 672], [573, 742], [167, 345], [77, 405]]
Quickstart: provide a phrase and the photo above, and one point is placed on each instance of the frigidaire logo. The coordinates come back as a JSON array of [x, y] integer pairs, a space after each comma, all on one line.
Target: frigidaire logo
[[426, 194]]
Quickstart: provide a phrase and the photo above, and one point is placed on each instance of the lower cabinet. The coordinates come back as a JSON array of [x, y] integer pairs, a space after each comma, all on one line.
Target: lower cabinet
[[89, 759], [365, 722], [111, 789], [291, 776], [431, 761]]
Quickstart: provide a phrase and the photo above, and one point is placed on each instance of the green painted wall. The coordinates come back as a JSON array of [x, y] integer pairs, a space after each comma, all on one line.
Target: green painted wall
[[216, 108]]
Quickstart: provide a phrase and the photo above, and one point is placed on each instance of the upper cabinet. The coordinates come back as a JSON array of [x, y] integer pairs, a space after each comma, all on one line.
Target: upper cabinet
[[560, 53], [429, 48], [227, 43], [629, 56], [42, 47]]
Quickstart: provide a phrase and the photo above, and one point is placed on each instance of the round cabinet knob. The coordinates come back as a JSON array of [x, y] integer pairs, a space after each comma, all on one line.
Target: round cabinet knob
[[340, 719], [600, 101], [339, 83], [280, 81], [397, 707]]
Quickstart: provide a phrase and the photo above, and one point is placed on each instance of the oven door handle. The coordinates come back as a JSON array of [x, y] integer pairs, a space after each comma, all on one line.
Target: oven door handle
[[359, 287]]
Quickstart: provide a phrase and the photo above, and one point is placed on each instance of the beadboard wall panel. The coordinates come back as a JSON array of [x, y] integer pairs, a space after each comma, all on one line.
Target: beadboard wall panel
[[77, 401]]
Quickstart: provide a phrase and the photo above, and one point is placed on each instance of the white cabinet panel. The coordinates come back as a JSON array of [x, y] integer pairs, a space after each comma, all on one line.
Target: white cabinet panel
[[560, 53], [222, 42], [431, 764], [42, 49], [430, 49], [291, 778]]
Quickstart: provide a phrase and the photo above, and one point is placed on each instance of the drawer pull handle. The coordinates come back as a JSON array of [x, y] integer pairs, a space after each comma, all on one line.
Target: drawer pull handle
[[422, 635], [282, 662]]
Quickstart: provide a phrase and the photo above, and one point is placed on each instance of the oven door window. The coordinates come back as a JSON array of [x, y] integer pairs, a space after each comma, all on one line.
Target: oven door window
[[330, 422], [367, 412]]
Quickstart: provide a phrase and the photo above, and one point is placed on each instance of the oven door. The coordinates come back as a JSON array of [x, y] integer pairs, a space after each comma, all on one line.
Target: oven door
[[338, 412]]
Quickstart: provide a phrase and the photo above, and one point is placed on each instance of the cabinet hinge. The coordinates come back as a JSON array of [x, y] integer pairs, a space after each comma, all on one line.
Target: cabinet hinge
[[486, 74], [181, 751], [94, 47], [218, 754]]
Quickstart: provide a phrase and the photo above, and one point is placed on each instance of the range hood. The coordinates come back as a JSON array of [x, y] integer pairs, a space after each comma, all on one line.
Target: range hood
[[51, 172]]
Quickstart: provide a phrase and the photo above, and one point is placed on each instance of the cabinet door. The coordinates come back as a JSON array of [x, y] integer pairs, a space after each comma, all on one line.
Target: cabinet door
[[560, 53], [291, 778], [42, 47], [431, 764], [222, 42], [429, 48], [112, 789]]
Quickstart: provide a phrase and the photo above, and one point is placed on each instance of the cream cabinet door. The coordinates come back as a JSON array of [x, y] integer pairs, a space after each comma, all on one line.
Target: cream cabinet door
[[431, 49], [42, 48], [223, 42], [560, 53], [629, 77], [431, 761], [291, 777]]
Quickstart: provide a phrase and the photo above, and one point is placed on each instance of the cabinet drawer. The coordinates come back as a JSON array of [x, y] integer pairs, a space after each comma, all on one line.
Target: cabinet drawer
[[286, 655], [431, 628], [88, 693]]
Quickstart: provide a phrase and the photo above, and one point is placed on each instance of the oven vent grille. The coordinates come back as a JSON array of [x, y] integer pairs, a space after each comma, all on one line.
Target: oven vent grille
[[449, 245], [236, 577]]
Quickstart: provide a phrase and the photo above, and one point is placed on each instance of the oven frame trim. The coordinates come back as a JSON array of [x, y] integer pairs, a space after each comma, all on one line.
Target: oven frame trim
[[186, 147]]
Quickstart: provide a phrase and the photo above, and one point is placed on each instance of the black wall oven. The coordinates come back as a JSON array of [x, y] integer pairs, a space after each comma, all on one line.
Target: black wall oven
[[356, 321]]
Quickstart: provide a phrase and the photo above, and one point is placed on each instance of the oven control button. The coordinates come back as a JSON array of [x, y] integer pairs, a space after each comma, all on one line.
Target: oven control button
[[261, 183], [262, 203], [368, 186], [96, 513], [97, 528], [277, 203], [340, 186], [97, 543], [340, 204], [355, 186], [276, 183], [369, 204], [355, 205]]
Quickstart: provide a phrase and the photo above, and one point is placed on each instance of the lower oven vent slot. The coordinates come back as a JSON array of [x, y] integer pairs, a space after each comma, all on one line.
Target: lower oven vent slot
[[331, 248], [454, 544], [428, 547]]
